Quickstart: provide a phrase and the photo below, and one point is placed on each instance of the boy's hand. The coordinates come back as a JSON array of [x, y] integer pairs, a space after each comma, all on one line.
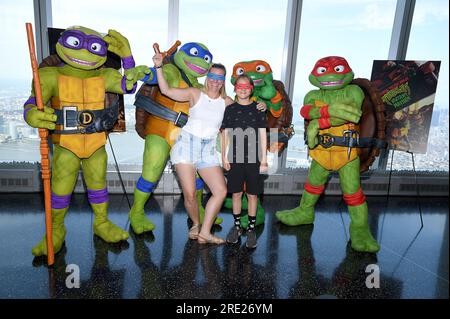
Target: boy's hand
[[261, 106], [263, 167], [226, 164]]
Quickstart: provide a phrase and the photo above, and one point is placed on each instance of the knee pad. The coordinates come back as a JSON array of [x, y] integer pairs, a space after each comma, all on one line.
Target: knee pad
[[60, 201], [314, 190], [144, 185], [199, 184], [97, 196], [355, 199]]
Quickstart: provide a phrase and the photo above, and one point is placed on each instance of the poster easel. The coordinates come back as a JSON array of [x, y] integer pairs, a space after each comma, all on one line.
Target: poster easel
[[415, 183]]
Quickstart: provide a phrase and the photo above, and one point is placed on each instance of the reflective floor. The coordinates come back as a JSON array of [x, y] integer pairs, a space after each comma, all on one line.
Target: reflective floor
[[289, 262]]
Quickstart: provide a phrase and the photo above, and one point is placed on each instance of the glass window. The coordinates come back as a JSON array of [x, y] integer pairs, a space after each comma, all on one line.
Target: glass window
[[360, 31], [18, 141], [236, 31], [142, 23], [429, 41]]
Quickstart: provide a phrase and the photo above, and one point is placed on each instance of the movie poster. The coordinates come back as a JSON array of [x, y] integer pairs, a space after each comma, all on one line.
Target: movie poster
[[407, 89]]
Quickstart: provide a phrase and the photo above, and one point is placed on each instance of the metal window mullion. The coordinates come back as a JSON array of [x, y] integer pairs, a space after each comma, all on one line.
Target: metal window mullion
[[173, 20], [291, 36], [288, 65], [42, 20], [401, 29]]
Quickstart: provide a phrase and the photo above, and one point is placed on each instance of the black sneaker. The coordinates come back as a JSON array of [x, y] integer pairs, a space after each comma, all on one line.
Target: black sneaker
[[251, 240], [234, 234]]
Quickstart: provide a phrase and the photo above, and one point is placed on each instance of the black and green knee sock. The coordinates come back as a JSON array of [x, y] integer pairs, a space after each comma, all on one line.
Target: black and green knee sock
[[251, 223], [237, 220]]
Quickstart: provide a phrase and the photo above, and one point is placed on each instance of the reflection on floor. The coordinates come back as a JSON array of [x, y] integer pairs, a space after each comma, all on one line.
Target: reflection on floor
[[290, 262]]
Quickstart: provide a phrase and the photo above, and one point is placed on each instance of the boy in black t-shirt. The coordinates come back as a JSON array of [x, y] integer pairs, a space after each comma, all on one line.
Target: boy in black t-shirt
[[245, 127]]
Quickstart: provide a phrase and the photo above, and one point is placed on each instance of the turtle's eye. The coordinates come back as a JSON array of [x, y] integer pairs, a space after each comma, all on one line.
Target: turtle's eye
[[239, 71], [260, 68], [193, 51], [73, 41], [207, 58], [321, 70], [339, 68], [96, 47]]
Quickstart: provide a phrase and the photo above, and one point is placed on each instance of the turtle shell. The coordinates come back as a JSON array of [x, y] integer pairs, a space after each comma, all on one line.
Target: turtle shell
[[372, 122]]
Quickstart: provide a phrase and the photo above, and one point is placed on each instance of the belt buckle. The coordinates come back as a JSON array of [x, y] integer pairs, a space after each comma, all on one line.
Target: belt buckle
[[67, 126], [348, 134], [351, 135], [326, 140], [85, 118], [178, 118]]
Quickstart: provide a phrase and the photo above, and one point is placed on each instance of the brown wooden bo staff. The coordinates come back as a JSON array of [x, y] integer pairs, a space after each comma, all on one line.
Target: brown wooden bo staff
[[44, 148], [169, 52]]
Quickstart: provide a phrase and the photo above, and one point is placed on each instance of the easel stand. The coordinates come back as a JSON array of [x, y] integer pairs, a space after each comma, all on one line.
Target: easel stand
[[415, 182]]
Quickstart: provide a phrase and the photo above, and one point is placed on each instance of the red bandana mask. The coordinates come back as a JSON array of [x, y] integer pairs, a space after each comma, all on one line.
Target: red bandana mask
[[243, 86], [331, 65]]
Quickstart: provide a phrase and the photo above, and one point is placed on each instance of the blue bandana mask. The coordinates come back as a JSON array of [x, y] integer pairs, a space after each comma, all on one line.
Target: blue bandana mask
[[215, 76], [194, 50]]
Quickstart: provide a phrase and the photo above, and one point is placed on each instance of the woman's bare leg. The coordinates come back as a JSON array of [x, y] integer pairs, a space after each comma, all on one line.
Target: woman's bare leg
[[213, 177], [186, 176]]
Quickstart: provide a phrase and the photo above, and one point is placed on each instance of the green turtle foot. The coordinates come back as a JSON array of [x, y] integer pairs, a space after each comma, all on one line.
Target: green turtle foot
[[217, 221], [296, 216], [109, 232], [59, 235], [362, 240], [139, 222]]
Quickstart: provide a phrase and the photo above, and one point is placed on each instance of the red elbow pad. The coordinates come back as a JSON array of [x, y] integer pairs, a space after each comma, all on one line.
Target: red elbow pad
[[304, 111], [324, 112], [324, 123]]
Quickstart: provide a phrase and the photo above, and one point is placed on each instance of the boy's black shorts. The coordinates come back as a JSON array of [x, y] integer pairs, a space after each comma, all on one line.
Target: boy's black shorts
[[248, 173]]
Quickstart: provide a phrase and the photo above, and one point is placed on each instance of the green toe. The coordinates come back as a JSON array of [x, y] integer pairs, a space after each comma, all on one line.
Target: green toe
[[110, 232], [140, 223], [363, 241], [218, 221], [295, 217], [59, 235]]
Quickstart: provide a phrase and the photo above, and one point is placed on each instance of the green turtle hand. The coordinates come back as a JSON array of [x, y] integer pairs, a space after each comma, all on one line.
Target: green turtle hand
[[345, 112], [312, 133], [39, 119], [135, 74], [118, 44]]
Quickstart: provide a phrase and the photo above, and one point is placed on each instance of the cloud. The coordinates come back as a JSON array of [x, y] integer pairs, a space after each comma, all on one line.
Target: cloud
[[430, 12]]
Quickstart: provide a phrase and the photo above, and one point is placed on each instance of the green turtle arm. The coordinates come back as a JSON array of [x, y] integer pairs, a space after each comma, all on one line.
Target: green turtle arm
[[113, 80], [49, 83], [172, 75], [49, 88]]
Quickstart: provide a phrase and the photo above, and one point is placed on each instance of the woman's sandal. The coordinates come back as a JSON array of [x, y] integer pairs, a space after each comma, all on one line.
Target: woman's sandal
[[211, 239], [193, 232]]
